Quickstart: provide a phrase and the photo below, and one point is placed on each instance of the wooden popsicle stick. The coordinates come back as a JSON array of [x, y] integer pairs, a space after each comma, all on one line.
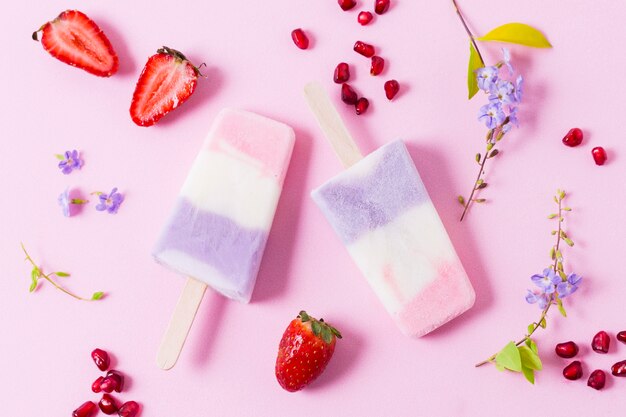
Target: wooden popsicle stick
[[180, 323], [332, 125]]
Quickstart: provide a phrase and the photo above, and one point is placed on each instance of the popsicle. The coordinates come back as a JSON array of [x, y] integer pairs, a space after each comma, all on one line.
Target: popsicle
[[219, 226], [382, 213]]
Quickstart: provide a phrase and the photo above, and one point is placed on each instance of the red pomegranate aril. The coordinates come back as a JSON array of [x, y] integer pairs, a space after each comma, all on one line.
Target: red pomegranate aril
[[573, 371], [601, 342], [599, 155], [365, 17], [108, 385], [597, 379], [107, 404], [85, 410], [348, 95], [621, 336], [361, 105], [101, 358], [391, 89], [573, 138], [346, 4], [118, 378], [619, 368], [378, 64], [300, 38], [342, 73], [364, 49], [381, 6], [129, 409], [566, 349], [97, 385]]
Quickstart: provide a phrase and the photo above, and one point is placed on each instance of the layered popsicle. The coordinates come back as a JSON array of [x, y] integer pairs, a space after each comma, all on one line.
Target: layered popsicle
[[381, 211], [221, 220]]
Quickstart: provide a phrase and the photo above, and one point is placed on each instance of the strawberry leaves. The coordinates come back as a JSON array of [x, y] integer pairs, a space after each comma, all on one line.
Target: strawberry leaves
[[320, 328]]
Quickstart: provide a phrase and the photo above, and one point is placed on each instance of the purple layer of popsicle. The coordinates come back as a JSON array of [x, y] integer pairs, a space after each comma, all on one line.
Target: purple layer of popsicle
[[216, 240], [355, 204]]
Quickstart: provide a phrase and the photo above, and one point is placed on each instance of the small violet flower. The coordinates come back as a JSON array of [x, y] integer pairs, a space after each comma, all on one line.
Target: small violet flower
[[65, 201], [547, 281], [491, 114], [503, 92], [519, 84], [507, 60], [110, 202], [512, 120], [486, 77], [570, 286], [542, 299], [70, 161]]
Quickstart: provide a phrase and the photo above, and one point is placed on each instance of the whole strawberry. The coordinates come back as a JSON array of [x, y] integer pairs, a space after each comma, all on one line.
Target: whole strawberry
[[304, 351], [75, 39], [166, 82]]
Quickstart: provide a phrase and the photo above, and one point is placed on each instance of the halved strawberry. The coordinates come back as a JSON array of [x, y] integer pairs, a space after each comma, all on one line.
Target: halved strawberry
[[76, 40], [304, 351], [167, 81]]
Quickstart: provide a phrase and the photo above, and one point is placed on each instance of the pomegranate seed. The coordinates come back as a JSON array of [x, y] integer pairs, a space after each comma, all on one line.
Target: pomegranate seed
[[381, 6], [346, 4], [378, 64], [573, 138], [621, 336], [118, 378], [97, 385], [101, 358], [619, 369], [108, 384], [601, 342], [342, 73], [364, 49], [573, 371], [300, 38], [361, 105], [566, 349], [107, 404], [85, 410], [129, 409], [597, 379], [391, 89], [348, 95], [365, 17], [599, 155]]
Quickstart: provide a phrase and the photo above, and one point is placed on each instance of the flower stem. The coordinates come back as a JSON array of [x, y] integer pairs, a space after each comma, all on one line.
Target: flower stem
[[469, 32], [481, 171]]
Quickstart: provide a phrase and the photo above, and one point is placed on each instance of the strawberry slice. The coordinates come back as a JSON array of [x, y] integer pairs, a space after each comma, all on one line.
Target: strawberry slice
[[167, 81], [76, 40], [305, 349]]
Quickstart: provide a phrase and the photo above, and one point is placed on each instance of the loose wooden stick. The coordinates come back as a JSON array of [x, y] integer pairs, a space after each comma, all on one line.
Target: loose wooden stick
[[181, 322], [332, 125]]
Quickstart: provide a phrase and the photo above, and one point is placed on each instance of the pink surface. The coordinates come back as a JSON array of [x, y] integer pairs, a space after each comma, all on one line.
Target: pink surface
[[227, 368]]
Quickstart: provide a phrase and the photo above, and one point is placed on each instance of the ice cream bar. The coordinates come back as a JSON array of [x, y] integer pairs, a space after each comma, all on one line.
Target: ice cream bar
[[220, 223], [381, 211]]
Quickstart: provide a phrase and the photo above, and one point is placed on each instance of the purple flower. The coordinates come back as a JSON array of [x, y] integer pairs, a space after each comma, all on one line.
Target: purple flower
[[546, 281], [503, 92], [486, 77], [519, 84], [64, 202], [512, 120], [491, 114], [542, 299], [70, 161], [110, 202], [570, 286], [507, 60]]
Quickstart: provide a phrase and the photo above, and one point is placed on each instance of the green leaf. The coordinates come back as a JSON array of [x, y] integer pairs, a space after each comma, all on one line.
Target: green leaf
[[552, 216], [569, 242], [335, 332], [304, 316], [97, 295], [530, 359], [474, 64], [317, 328], [531, 344], [543, 323], [509, 357], [529, 374], [33, 285], [531, 327], [58, 155], [62, 274], [518, 33], [552, 253], [478, 156], [559, 304], [327, 334]]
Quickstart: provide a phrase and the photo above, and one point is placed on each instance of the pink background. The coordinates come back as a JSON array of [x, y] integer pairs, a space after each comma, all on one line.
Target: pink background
[[227, 367]]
